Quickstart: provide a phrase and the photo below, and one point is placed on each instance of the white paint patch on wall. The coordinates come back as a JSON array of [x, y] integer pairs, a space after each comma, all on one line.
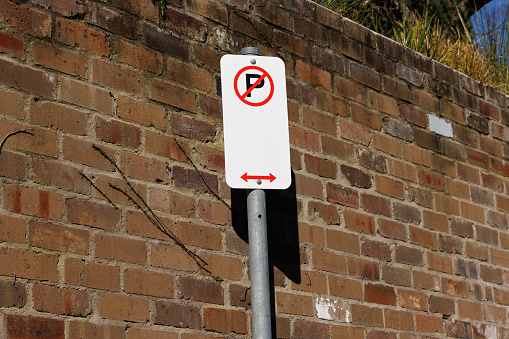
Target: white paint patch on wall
[[329, 309], [488, 332], [440, 126]]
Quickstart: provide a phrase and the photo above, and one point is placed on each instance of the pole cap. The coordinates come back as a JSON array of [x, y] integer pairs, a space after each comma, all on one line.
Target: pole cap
[[250, 51]]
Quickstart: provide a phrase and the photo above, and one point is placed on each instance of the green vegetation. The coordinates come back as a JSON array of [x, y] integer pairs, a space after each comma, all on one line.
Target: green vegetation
[[420, 25]]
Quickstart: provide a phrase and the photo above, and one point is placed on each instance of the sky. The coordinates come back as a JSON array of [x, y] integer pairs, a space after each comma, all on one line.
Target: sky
[[492, 16]]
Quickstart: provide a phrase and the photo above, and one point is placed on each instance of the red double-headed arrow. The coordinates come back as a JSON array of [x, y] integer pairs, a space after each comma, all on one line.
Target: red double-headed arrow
[[270, 177]]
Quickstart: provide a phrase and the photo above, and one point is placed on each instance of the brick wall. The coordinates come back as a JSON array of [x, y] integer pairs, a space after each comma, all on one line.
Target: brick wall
[[390, 229]]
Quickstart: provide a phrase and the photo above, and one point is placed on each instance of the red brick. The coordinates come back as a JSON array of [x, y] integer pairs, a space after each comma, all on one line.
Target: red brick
[[173, 95], [345, 288], [350, 89], [399, 320], [34, 202], [61, 301], [43, 266], [452, 111], [90, 274], [363, 268], [58, 59], [166, 146], [18, 326], [387, 144], [307, 329], [13, 165], [294, 304], [311, 281], [28, 19], [342, 241], [76, 35], [143, 168], [366, 315], [342, 195], [472, 212], [184, 23], [446, 204], [178, 315], [457, 188], [477, 158], [12, 229], [376, 249], [148, 283], [365, 76], [331, 103], [409, 255], [210, 237], [215, 212], [163, 41], [189, 75], [437, 304], [439, 263], [428, 323], [355, 133], [117, 132], [120, 248], [343, 332], [337, 148], [443, 165], [413, 300], [313, 74], [468, 173], [223, 266], [225, 321], [396, 275], [85, 95], [171, 257], [62, 176], [426, 139], [141, 112], [328, 261], [423, 237], [26, 78], [366, 117], [376, 204], [192, 128], [85, 329], [116, 77], [139, 57], [122, 307], [413, 115], [12, 44], [359, 222], [311, 234], [435, 221], [59, 117], [81, 151], [190, 179], [304, 138], [477, 251], [392, 229], [58, 238], [390, 187], [317, 120], [322, 167], [292, 44], [89, 213], [383, 103], [112, 21]]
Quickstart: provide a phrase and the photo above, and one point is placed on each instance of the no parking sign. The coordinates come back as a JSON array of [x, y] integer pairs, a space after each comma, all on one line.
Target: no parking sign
[[255, 121]]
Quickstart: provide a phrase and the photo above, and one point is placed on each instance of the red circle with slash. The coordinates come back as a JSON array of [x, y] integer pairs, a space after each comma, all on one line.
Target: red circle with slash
[[264, 75]]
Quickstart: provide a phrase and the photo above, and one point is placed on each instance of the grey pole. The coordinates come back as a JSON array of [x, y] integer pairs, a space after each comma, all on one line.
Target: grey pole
[[258, 255], [259, 265]]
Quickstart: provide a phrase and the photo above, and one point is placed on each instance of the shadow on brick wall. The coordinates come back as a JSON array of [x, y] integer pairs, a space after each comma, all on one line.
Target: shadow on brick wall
[[282, 227]]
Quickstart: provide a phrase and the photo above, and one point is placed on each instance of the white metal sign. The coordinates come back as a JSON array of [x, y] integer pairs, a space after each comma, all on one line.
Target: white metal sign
[[255, 121]]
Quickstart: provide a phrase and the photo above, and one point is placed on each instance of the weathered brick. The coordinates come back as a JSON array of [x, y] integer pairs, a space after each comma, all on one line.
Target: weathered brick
[[58, 59], [85, 95], [12, 44], [122, 307], [331, 103], [365, 76], [26, 78], [139, 57], [359, 222], [376, 249], [110, 75], [58, 238], [119, 248], [423, 237], [85, 329], [409, 255], [342, 195], [319, 121], [307, 329], [112, 21], [19, 326], [342, 241], [314, 75], [225, 321], [172, 95], [144, 8], [376, 204], [117, 132], [61, 301], [12, 294], [176, 314], [412, 299], [396, 275], [366, 117], [355, 133], [34, 202], [90, 274], [294, 304], [165, 42], [392, 229], [406, 73], [59, 117], [387, 144], [42, 266], [76, 35]]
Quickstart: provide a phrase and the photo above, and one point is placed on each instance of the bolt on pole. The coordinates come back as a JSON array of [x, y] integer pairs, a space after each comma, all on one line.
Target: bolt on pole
[[258, 255]]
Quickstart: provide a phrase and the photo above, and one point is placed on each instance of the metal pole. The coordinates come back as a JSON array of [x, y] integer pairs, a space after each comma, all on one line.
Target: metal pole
[[258, 255], [259, 265]]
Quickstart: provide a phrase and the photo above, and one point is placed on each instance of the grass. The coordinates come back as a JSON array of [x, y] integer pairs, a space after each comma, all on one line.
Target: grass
[[484, 58]]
